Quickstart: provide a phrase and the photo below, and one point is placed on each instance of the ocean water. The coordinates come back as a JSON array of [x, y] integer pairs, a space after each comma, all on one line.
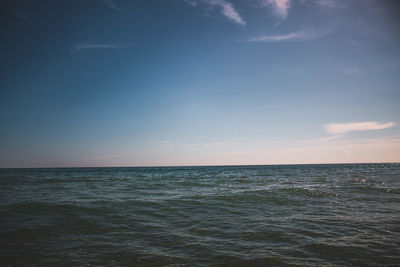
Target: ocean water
[[305, 215]]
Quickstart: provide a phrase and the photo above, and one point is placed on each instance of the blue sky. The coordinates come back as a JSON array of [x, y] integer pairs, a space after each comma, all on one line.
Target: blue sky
[[198, 82]]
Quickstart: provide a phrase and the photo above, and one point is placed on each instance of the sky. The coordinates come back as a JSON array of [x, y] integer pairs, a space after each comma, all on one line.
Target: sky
[[198, 82]]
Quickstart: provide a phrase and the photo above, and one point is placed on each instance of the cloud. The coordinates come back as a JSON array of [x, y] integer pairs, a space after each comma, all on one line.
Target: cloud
[[325, 139], [328, 3], [293, 36], [111, 4], [278, 38], [227, 9], [211, 144], [191, 2], [341, 128], [349, 70], [87, 46], [281, 7], [325, 4]]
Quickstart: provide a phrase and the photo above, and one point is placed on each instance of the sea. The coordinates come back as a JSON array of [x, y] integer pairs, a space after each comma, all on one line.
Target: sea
[[282, 215]]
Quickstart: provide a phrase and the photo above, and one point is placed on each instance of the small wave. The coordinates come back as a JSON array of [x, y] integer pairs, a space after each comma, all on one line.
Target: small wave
[[43, 207], [267, 261], [243, 180], [191, 183], [310, 192], [260, 196], [372, 189], [354, 254], [319, 180]]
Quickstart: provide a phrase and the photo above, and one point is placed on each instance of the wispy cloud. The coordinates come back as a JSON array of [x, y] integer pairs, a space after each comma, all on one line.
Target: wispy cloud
[[111, 4], [341, 128], [293, 36], [325, 139], [226, 7], [229, 11], [221, 143], [278, 38], [349, 70], [329, 3], [325, 4], [281, 7], [211, 144], [191, 2], [87, 46]]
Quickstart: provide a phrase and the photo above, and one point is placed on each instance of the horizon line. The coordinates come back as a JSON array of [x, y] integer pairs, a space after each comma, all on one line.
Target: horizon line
[[192, 166]]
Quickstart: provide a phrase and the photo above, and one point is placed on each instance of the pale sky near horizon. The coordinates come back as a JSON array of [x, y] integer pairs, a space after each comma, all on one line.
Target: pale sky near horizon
[[198, 82]]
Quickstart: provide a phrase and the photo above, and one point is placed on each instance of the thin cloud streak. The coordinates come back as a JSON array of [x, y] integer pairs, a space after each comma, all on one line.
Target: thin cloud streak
[[191, 2], [349, 70], [88, 46], [325, 4], [289, 37], [230, 12], [341, 128], [111, 4], [283, 37], [227, 9], [281, 7], [328, 4], [325, 139]]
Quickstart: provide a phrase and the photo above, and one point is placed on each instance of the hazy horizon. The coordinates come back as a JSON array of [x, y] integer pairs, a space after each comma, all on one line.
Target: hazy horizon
[[117, 83], [194, 166]]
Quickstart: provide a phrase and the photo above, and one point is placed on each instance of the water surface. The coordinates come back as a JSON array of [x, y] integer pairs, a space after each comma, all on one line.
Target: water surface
[[332, 215]]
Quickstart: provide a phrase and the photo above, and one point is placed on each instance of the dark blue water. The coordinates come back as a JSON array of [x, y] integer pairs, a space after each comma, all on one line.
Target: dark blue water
[[332, 215]]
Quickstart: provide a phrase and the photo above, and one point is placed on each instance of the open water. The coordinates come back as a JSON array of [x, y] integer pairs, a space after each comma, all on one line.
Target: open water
[[306, 215]]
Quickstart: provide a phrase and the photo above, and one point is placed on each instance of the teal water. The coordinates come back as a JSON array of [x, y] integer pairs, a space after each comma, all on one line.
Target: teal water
[[313, 215]]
